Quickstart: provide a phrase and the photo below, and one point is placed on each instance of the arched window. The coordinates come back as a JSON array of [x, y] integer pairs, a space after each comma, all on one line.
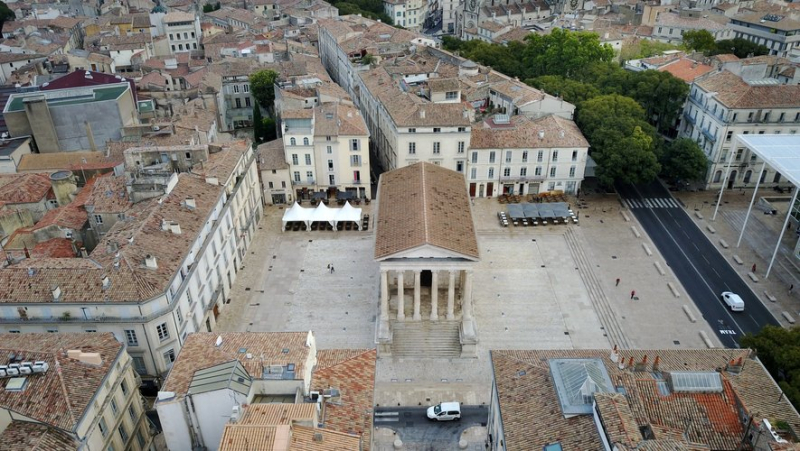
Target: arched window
[[292, 142], [717, 176], [747, 176], [305, 141]]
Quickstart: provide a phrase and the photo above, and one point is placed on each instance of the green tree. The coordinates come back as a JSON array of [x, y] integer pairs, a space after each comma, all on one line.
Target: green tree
[[259, 135], [208, 7], [779, 351], [740, 47], [451, 44], [644, 48], [563, 52], [683, 160], [699, 40], [6, 14], [661, 94], [570, 90], [262, 86], [270, 133], [631, 159]]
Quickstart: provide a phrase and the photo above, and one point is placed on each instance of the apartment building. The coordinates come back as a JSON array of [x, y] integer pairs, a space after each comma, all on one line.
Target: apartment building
[[159, 274], [234, 99], [670, 26], [725, 104], [275, 176], [327, 147], [518, 155], [67, 391], [778, 32], [244, 384], [182, 30], [409, 14], [421, 103]]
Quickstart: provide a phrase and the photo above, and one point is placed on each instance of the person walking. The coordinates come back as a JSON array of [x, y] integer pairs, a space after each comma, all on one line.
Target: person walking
[[791, 288], [633, 293], [332, 269], [617, 282], [753, 269]]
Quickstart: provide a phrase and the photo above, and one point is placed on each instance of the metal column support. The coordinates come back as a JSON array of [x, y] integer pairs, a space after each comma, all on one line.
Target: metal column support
[[783, 230], [749, 208]]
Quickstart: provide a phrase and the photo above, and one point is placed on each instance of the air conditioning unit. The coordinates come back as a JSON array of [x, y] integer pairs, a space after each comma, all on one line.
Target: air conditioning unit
[[13, 372], [40, 367], [25, 370], [236, 411], [275, 369], [315, 397], [3, 371], [156, 128]]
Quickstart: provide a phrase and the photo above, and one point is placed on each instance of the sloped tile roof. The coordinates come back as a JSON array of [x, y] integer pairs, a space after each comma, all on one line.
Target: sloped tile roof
[[686, 69], [524, 133], [271, 155], [424, 204], [24, 188], [35, 437], [60, 396], [733, 92]]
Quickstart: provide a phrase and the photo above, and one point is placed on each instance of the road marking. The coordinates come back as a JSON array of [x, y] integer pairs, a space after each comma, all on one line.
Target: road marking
[[655, 202]]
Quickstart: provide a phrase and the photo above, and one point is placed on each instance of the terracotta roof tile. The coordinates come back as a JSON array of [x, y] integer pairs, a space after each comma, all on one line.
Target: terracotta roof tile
[[24, 188], [108, 195], [60, 396], [272, 156], [686, 69], [424, 204], [524, 133], [733, 92], [35, 437]]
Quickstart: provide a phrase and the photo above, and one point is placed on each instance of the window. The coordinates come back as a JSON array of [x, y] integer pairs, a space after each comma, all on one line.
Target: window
[[766, 117], [354, 144], [140, 439], [305, 141], [329, 149], [138, 364], [491, 173], [283, 184], [473, 173], [185, 35], [491, 157], [524, 156], [132, 413], [327, 138], [169, 357], [555, 156], [523, 172], [103, 426], [270, 185], [412, 148], [538, 170], [247, 101], [462, 129], [52, 331], [728, 137], [780, 118], [114, 407], [332, 180], [124, 387], [436, 148], [123, 434], [461, 147], [171, 37], [451, 95], [507, 172], [539, 156], [553, 171], [459, 166], [292, 142], [412, 130], [236, 89], [330, 165], [163, 332], [297, 176], [750, 117], [245, 88], [98, 219], [357, 176], [572, 171], [437, 130], [474, 157], [310, 176], [574, 155], [355, 160], [178, 309], [508, 156], [173, 47], [130, 336], [777, 178], [308, 159], [15, 331]]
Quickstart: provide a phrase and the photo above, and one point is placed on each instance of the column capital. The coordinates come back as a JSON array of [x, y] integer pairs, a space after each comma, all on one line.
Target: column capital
[[418, 271]]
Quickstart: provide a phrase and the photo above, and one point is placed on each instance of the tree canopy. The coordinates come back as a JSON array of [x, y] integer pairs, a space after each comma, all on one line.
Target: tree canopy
[[6, 14], [683, 160], [699, 40], [262, 86], [570, 90], [643, 48], [779, 351], [372, 9], [740, 47]]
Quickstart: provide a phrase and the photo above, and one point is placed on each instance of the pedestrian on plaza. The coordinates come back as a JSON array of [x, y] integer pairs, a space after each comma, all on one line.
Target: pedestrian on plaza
[[329, 266], [791, 288], [617, 282], [332, 269], [753, 269], [633, 293]]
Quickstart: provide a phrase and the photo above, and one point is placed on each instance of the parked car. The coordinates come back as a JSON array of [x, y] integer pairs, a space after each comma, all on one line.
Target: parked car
[[733, 301], [445, 411]]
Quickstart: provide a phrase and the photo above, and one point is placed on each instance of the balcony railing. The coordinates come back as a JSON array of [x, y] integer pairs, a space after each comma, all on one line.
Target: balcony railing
[[689, 118], [709, 136], [524, 178]]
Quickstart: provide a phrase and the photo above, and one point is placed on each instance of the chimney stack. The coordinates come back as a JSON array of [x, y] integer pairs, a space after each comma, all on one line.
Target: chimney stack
[[150, 262], [655, 363]]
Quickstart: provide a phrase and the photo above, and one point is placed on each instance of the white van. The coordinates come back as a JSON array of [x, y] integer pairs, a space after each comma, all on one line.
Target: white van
[[445, 411]]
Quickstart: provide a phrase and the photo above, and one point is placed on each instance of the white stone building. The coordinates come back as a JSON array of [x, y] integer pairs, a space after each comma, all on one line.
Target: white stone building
[[780, 33], [670, 26], [160, 274], [724, 104], [70, 391], [275, 176], [183, 31], [409, 14], [524, 156]]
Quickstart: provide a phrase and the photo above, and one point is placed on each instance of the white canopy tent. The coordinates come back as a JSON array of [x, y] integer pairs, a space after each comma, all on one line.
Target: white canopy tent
[[322, 214]]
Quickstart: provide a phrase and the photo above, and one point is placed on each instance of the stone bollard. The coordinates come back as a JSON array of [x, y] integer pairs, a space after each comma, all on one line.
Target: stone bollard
[[398, 444]]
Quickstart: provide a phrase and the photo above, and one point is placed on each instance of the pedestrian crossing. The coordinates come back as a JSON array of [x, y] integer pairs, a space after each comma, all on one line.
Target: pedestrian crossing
[[652, 202]]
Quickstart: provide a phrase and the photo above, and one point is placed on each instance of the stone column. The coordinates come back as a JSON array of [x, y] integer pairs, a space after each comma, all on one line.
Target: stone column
[[451, 295], [384, 295], [466, 296], [417, 289], [401, 314], [434, 295]]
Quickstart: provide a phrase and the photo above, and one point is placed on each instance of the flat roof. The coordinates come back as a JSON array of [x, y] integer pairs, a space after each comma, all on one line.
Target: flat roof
[[68, 96], [780, 152]]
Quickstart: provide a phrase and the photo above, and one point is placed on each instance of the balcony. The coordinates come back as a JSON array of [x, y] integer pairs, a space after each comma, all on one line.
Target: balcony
[[522, 179], [689, 118], [709, 136]]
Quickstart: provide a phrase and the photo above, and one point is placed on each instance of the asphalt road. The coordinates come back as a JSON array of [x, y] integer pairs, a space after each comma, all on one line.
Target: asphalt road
[[703, 271], [413, 426]]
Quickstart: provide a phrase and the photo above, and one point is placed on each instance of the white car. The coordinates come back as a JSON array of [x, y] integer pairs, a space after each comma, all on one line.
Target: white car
[[733, 301], [445, 411]]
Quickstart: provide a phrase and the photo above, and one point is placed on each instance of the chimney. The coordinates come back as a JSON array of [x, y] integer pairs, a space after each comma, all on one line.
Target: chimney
[[422, 114], [655, 363], [56, 290], [190, 202], [91, 358], [106, 282], [614, 355], [150, 262], [561, 134], [176, 228], [541, 134], [641, 366], [318, 437], [165, 225]]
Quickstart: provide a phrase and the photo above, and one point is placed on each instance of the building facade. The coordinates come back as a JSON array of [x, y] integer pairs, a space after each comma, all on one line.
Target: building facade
[[183, 31], [779, 33]]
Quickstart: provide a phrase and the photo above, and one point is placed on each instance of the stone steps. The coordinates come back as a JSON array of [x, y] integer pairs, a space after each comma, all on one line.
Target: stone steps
[[601, 304], [426, 339]]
